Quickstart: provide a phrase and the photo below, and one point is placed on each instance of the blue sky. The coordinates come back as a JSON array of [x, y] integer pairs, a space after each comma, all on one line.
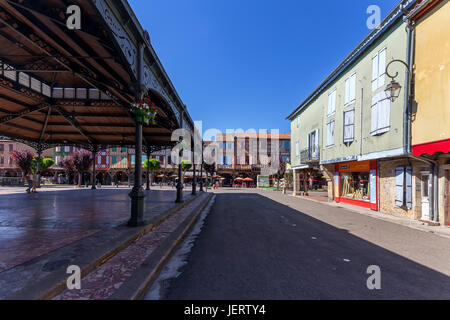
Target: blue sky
[[246, 63]]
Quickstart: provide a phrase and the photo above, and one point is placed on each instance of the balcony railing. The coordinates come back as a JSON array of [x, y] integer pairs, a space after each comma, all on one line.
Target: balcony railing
[[310, 155]]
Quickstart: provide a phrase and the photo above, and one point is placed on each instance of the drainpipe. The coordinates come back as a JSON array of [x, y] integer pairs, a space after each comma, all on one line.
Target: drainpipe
[[434, 166], [408, 77]]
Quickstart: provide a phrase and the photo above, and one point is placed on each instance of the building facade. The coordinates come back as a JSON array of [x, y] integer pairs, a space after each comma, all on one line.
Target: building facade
[[431, 108], [8, 169], [355, 132], [250, 154]]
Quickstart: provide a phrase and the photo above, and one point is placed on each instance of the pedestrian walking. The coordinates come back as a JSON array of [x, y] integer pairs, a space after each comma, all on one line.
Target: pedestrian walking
[[35, 182], [29, 180]]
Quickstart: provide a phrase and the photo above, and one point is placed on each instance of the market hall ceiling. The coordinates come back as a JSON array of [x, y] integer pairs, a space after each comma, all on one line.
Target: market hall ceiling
[[63, 86]]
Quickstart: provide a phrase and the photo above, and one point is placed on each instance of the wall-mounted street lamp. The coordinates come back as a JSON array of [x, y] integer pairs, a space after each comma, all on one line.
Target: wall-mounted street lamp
[[394, 88]]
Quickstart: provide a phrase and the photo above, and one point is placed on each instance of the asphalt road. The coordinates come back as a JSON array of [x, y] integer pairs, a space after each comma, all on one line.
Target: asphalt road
[[263, 245]]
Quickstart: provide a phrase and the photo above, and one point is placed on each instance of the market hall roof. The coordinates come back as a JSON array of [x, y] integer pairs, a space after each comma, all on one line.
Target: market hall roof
[[63, 86]]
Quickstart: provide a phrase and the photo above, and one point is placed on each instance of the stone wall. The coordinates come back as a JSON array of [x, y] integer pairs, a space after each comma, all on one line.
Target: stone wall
[[387, 182]]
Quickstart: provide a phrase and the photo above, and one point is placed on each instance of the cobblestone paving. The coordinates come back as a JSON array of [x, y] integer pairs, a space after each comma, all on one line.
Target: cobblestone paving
[[105, 280]]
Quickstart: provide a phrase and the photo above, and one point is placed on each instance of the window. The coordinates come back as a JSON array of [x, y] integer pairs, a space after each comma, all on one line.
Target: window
[[403, 187], [66, 149], [124, 149], [113, 160], [2, 147], [332, 103], [286, 144], [378, 70], [114, 149], [349, 126], [381, 114], [58, 149], [123, 161], [11, 148], [330, 134], [313, 145], [226, 161], [297, 149], [11, 161], [2, 160], [298, 122], [350, 89]]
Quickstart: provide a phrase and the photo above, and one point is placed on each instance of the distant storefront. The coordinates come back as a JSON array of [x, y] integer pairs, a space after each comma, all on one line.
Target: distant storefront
[[357, 183]]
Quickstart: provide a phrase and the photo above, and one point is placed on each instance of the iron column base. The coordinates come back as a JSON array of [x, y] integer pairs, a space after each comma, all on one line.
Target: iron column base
[[137, 196]]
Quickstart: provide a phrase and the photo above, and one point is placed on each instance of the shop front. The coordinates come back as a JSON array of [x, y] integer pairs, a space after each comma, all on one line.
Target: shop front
[[356, 183]]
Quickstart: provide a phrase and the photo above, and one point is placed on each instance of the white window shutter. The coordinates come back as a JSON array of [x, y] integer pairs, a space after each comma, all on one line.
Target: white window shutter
[[375, 73], [352, 88], [297, 149], [384, 113], [381, 68], [332, 133], [332, 103], [347, 91], [328, 134], [374, 115], [399, 178], [316, 144]]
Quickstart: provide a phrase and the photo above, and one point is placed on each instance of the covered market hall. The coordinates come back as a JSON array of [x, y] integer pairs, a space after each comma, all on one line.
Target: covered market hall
[[84, 86]]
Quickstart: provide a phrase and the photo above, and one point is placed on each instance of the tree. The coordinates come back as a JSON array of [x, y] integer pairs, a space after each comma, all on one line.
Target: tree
[[23, 160], [152, 165], [288, 177], [69, 168], [186, 165], [82, 161], [46, 163]]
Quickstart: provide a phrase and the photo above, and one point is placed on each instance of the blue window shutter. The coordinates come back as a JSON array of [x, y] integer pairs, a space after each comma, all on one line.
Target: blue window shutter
[[399, 176], [409, 187]]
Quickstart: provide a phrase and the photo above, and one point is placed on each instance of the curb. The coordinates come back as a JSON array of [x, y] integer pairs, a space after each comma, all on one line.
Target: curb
[[135, 287], [55, 283]]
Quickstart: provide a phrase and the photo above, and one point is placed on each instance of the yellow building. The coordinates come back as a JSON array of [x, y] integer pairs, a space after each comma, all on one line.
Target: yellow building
[[431, 107]]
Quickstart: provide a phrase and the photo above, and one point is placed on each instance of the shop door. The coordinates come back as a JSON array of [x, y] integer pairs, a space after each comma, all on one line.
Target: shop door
[[426, 193]]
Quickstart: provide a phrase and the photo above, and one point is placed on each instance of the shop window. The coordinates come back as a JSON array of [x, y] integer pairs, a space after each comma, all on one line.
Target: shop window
[[403, 187], [355, 185]]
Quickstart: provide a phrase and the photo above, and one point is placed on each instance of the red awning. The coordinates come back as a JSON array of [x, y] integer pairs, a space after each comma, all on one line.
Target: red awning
[[432, 148]]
